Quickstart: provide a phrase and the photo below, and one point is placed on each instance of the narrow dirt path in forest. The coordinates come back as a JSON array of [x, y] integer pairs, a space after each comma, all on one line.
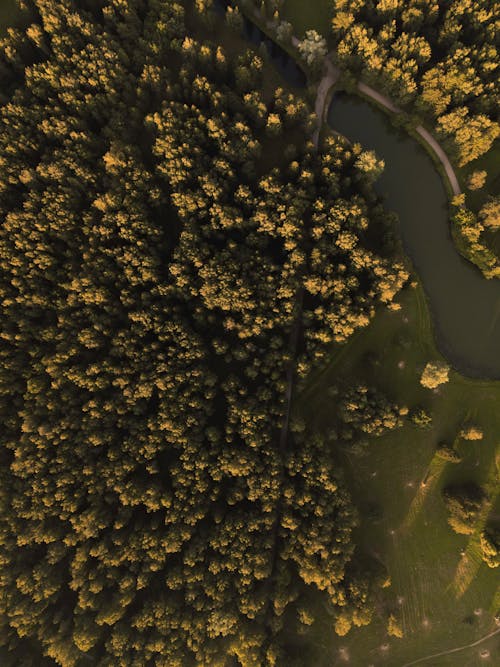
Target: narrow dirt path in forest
[[290, 375]]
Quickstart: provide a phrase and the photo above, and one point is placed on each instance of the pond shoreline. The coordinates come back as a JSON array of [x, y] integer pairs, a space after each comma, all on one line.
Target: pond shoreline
[[464, 306]]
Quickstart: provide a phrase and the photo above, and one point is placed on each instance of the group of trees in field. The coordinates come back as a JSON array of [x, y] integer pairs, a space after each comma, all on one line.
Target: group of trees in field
[[169, 261], [368, 411], [464, 503]]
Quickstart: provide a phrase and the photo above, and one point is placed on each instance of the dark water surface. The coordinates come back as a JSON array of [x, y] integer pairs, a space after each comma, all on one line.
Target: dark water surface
[[465, 306]]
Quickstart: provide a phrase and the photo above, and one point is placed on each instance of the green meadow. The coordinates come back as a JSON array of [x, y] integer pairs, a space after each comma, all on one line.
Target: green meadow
[[441, 592]]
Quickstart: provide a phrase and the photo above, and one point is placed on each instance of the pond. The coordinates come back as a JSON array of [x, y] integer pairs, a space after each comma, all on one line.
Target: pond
[[465, 307]]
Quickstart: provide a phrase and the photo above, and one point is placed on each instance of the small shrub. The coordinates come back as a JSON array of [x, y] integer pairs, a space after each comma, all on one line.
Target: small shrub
[[394, 627], [476, 180], [342, 625], [421, 418], [447, 453], [305, 616], [471, 432]]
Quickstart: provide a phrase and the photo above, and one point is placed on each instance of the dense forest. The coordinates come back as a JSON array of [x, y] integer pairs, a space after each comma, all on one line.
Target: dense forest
[[174, 255]]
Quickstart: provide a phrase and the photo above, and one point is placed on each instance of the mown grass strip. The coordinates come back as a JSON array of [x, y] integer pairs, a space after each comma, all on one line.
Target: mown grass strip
[[431, 478]]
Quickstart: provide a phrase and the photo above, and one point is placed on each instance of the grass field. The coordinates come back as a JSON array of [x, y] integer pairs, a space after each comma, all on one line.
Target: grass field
[[412, 536], [303, 15]]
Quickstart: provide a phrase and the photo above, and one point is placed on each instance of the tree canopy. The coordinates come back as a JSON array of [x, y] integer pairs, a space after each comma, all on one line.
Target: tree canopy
[[165, 270]]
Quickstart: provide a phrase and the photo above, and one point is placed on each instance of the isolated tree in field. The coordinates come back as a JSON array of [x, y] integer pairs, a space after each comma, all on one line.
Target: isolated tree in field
[[464, 504], [435, 373]]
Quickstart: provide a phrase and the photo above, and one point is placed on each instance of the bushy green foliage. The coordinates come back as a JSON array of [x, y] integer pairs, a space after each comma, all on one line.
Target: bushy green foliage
[[490, 213], [434, 374], [463, 503], [370, 411], [447, 453], [467, 232], [490, 546], [477, 179], [421, 417], [394, 627], [313, 49], [471, 432]]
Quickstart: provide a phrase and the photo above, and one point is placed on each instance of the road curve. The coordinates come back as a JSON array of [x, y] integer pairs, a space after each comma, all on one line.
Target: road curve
[[425, 134], [330, 76], [443, 158], [378, 97]]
